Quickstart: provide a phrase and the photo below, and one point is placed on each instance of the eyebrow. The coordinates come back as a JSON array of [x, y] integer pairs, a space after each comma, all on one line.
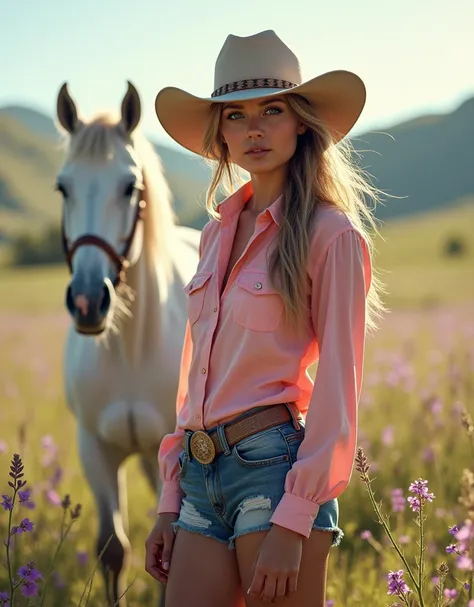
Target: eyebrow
[[239, 106]]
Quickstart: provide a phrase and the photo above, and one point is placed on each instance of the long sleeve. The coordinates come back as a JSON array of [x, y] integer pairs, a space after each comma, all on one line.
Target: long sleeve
[[171, 445], [339, 284]]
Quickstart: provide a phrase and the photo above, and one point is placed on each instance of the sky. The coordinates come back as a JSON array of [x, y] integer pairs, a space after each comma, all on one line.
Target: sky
[[415, 56]]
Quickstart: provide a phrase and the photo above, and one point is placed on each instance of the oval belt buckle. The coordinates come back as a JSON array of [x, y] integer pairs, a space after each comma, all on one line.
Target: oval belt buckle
[[202, 447]]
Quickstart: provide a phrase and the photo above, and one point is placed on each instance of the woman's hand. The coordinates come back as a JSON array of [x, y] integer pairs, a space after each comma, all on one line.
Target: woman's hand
[[159, 545], [277, 565]]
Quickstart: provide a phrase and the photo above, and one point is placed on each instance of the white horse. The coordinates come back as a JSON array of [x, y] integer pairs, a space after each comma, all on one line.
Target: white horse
[[129, 263]]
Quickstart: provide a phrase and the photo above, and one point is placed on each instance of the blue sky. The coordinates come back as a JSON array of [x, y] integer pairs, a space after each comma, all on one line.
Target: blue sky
[[415, 56]]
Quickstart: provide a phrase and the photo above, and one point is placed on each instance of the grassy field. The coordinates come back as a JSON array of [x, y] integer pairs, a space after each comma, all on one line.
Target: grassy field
[[418, 378]]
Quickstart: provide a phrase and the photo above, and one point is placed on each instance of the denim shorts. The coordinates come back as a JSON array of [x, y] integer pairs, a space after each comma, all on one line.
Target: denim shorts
[[237, 493]]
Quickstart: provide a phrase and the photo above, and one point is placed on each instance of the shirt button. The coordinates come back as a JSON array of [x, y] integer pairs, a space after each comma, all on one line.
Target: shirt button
[[215, 309], [258, 285], [203, 371]]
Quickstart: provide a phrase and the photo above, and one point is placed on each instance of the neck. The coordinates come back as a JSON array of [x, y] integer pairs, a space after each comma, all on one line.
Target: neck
[[141, 324], [267, 187]]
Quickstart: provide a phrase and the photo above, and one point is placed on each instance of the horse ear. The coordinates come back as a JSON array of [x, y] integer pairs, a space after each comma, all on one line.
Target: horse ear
[[66, 110], [131, 109]]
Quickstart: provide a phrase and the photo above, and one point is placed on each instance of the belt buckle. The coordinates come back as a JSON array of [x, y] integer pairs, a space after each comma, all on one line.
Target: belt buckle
[[202, 447]]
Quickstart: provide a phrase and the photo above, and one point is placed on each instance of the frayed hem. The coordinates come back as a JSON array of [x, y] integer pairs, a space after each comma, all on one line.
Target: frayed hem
[[247, 532], [338, 534], [178, 524]]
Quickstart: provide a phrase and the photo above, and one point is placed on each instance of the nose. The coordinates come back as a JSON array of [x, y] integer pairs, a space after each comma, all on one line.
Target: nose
[[89, 306], [255, 130]]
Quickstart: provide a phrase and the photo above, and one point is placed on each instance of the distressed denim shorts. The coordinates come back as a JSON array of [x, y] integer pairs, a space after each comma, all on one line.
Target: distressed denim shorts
[[237, 493]]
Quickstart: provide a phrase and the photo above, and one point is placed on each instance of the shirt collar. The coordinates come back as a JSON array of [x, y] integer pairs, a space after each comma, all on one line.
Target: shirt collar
[[234, 203]]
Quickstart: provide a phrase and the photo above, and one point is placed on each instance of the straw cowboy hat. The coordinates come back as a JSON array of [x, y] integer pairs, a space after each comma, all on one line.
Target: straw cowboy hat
[[253, 67]]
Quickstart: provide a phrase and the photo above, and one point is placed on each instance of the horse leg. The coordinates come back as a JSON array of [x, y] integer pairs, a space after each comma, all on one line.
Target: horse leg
[[102, 468], [149, 464]]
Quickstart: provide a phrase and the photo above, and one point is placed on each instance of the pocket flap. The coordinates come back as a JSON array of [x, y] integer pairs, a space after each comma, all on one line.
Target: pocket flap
[[197, 282], [257, 283]]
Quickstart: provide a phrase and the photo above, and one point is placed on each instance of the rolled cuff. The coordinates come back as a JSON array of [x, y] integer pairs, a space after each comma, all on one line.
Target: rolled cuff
[[171, 496], [295, 513]]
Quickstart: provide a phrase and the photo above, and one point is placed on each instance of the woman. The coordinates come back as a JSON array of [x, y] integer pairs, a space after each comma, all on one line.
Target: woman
[[260, 455]]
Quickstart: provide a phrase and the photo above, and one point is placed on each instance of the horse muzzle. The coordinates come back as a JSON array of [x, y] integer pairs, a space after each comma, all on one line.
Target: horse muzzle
[[89, 308]]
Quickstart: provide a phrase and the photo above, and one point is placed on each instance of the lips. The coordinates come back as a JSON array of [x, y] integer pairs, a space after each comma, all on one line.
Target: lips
[[257, 151]]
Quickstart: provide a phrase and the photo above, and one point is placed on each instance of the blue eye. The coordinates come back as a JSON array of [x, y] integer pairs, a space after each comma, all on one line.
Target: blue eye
[[274, 109], [232, 115]]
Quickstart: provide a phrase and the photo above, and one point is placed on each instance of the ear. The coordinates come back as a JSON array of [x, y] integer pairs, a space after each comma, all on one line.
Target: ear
[[131, 109], [302, 128], [66, 110]]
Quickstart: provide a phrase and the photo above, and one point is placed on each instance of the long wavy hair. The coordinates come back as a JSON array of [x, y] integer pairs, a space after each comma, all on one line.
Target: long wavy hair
[[318, 173]]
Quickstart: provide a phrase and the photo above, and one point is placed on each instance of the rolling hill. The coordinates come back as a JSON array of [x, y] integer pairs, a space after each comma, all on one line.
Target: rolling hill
[[428, 162]]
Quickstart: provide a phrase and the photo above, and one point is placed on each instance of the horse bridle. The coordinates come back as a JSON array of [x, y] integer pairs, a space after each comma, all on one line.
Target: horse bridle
[[120, 260]]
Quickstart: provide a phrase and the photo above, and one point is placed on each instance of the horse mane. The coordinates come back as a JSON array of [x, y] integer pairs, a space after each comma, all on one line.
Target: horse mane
[[96, 141]]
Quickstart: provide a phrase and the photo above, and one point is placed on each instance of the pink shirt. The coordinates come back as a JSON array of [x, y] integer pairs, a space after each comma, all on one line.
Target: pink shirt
[[239, 352]]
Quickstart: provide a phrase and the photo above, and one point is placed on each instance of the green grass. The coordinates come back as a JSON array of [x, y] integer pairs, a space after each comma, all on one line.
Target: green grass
[[423, 352]]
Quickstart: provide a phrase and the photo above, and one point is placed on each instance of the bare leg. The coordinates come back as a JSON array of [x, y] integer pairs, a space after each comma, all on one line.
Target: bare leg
[[203, 573], [311, 591], [101, 464]]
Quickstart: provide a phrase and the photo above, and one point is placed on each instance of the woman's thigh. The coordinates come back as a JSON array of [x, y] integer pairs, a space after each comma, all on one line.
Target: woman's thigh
[[203, 573], [311, 589]]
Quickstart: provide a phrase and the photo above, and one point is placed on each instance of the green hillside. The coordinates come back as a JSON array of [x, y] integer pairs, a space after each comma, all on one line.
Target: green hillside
[[427, 163], [410, 254]]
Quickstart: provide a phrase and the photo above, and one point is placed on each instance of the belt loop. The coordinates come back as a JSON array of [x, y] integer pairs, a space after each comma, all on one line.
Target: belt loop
[[223, 439], [187, 439], [294, 416]]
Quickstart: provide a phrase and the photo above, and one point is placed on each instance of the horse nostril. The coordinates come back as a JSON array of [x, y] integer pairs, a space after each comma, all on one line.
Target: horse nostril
[[70, 301], [106, 299]]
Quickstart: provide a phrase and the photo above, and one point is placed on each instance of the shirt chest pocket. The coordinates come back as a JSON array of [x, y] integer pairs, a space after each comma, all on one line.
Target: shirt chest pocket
[[256, 303], [196, 291]]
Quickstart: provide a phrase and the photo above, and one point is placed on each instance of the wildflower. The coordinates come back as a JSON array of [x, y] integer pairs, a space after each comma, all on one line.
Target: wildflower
[[398, 501], [451, 548], [396, 584], [29, 588], [453, 530], [28, 572], [3, 449], [450, 593], [7, 503], [404, 539], [24, 497], [420, 489], [25, 525], [5, 599]]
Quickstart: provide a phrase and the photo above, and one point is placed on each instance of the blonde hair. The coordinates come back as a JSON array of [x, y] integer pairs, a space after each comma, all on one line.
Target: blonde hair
[[317, 172]]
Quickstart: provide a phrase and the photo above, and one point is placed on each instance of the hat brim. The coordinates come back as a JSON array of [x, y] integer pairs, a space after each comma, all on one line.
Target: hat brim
[[338, 98]]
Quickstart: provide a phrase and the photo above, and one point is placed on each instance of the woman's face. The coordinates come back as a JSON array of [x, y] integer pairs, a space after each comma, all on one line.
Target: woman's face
[[261, 134]]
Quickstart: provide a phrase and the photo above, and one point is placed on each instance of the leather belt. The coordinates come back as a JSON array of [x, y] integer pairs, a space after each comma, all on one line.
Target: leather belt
[[205, 446]]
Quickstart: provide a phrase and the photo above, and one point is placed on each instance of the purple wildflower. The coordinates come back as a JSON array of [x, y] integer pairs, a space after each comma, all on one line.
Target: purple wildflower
[[450, 593], [453, 530], [451, 548], [396, 585], [25, 525], [398, 501], [82, 557], [29, 588], [5, 599], [25, 497], [7, 503], [28, 572], [420, 489]]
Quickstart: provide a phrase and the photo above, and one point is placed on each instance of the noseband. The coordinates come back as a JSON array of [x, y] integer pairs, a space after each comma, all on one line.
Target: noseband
[[120, 260]]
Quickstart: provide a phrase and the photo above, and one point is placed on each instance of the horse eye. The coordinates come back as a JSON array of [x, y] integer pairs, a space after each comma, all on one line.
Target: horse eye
[[129, 189], [59, 187]]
